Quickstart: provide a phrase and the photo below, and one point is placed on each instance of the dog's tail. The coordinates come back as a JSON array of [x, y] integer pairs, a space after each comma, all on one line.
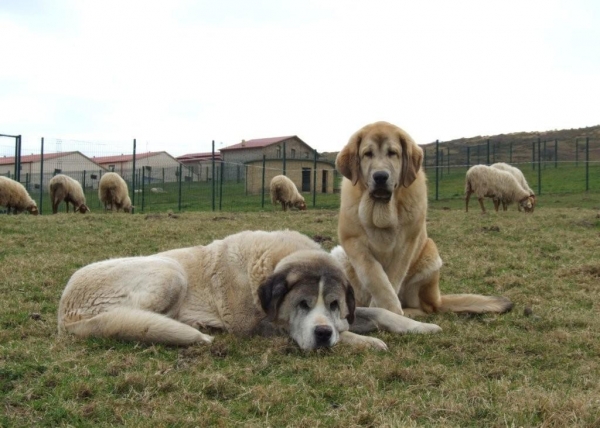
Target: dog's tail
[[475, 304], [136, 325]]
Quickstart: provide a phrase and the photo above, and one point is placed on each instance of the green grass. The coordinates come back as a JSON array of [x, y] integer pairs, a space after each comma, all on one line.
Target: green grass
[[511, 370]]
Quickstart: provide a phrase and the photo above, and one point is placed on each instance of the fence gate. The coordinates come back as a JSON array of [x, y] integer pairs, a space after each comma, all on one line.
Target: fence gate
[[17, 158]]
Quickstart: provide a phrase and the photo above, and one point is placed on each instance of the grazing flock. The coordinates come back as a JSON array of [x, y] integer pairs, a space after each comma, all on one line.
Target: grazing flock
[[112, 192], [503, 183]]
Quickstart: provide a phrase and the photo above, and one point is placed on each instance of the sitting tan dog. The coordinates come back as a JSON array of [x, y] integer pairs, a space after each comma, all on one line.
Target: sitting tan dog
[[387, 255]]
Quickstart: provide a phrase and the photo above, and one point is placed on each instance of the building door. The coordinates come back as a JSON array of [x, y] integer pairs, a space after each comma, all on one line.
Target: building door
[[306, 179], [324, 182]]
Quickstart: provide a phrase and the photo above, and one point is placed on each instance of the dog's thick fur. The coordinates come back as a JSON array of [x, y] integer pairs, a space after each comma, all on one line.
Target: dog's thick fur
[[250, 282], [386, 253]]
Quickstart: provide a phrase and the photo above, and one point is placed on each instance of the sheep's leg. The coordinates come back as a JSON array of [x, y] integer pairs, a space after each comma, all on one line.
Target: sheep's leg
[[55, 205], [496, 204], [481, 204]]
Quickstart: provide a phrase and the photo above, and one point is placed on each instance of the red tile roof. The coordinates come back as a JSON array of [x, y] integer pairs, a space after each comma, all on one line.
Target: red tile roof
[[194, 157], [34, 158], [258, 143], [123, 158]]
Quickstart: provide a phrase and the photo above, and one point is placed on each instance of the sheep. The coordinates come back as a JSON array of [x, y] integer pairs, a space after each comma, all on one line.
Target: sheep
[[64, 188], [113, 191], [500, 185], [14, 195], [284, 190], [520, 178]]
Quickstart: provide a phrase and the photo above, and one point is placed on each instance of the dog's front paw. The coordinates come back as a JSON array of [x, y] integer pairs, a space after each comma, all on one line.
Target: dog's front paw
[[205, 338], [358, 341], [425, 328], [375, 343]]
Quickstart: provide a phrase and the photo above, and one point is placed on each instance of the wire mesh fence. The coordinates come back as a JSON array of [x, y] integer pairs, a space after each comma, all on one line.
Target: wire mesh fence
[[158, 181]]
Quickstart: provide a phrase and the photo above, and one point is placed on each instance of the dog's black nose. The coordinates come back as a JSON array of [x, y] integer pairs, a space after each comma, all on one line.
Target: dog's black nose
[[323, 334], [380, 177]]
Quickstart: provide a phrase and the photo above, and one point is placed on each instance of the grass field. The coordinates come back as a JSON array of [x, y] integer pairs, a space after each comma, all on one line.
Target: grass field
[[539, 368]]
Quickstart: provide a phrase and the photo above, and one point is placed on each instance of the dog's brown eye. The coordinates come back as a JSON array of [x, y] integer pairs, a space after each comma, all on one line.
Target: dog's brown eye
[[392, 153], [334, 306], [368, 154], [303, 305]]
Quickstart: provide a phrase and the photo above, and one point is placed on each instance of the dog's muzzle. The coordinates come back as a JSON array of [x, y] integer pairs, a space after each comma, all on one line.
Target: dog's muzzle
[[323, 335], [380, 189]]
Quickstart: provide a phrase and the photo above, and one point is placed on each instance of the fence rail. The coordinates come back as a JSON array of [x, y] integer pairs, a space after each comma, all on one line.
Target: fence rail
[[160, 183]]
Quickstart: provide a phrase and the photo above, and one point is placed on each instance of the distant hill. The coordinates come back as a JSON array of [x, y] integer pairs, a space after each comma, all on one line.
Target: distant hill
[[515, 147]]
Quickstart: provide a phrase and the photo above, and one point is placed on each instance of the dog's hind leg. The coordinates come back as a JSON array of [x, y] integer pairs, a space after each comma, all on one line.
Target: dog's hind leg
[[137, 325]]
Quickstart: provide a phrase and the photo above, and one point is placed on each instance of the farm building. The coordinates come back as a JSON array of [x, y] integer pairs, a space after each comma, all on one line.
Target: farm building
[[300, 171], [201, 164], [153, 167], [74, 164], [244, 161]]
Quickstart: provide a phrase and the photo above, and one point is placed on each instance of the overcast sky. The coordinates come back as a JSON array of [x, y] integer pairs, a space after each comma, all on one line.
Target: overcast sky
[[177, 74]]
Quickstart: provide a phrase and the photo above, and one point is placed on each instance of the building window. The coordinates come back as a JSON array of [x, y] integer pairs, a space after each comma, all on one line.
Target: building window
[[305, 155], [278, 151], [111, 168], [293, 153]]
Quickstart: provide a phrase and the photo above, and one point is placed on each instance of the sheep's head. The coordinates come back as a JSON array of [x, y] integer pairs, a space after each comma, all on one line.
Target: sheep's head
[[527, 204], [33, 209], [301, 205], [83, 208]]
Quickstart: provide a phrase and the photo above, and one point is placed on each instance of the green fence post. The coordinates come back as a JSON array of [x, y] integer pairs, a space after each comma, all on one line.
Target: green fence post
[[544, 155], [448, 158], [533, 154], [510, 153], [143, 181], [179, 175], [555, 153], [213, 176], [221, 186], [424, 159], [262, 201], [587, 163], [539, 168], [133, 176], [284, 159], [576, 152], [468, 157], [437, 178], [488, 152], [41, 177], [315, 180]]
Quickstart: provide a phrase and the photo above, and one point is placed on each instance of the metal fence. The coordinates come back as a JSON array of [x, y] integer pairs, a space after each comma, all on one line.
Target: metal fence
[[159, 182], [550, 166], [156, 180]]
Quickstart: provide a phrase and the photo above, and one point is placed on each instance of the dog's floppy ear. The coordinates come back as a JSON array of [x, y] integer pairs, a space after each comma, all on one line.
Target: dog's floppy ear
[[271, 293], [350, 303], [412, 156], [347, 161]]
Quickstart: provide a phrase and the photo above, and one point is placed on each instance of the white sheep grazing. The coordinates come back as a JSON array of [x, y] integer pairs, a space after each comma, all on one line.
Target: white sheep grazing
[[284, 190], [518, 174], [64, 188], [113, 191], [14, 195], [499, 185]]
